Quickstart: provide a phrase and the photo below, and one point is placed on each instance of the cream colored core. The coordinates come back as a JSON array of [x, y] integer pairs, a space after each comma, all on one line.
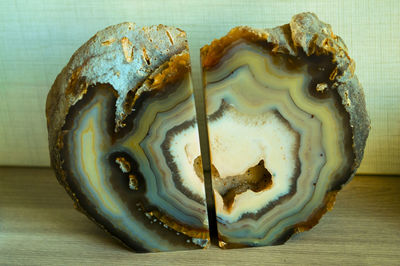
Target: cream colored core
[[239, 142]]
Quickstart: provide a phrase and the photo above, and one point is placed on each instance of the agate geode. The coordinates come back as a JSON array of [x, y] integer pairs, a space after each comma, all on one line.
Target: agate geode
[[286, 121], [123, 137], [287, 127]]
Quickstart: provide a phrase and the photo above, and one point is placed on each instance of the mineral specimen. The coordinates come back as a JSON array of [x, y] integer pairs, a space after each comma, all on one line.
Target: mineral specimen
[[123, 137], [287, 128], [286, 120]]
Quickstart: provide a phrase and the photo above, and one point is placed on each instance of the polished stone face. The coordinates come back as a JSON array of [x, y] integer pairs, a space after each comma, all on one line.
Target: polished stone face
[[287, 127], [140, 183], [279, 141]]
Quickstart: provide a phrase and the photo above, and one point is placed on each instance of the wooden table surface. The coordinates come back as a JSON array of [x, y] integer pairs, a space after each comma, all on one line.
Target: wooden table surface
[[38, 225]]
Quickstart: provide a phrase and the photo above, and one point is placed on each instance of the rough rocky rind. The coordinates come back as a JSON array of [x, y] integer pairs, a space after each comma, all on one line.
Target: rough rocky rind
[[307, 33], [103, 59], [130, 59], [316, 37]]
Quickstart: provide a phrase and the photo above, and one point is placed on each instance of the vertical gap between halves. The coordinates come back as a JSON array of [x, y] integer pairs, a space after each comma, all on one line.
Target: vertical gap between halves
[[201, 116]]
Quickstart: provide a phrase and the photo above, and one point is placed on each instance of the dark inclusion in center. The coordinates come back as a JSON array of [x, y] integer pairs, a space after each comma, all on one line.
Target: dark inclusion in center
[[256, 178]]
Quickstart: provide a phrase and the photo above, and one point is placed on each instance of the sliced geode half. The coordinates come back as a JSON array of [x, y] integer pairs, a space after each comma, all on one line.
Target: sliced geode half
[[287, 128], [123, 137]]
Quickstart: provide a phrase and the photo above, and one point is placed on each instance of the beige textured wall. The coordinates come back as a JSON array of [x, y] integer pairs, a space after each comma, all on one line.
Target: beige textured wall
[[37, 39]]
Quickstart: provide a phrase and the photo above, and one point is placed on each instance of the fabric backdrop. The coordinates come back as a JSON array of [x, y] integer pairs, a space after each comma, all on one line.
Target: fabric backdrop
[[37, 39]]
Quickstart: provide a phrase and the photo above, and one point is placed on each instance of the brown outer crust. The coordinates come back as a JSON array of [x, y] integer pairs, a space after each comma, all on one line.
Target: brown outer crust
[[103, 59], [313, 36]]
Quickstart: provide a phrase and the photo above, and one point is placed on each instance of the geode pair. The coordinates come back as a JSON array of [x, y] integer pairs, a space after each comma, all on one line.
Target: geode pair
[[286, 119]]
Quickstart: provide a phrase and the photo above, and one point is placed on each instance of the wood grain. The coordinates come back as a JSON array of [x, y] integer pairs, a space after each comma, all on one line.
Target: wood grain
[[37, 39], [38, 225]]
